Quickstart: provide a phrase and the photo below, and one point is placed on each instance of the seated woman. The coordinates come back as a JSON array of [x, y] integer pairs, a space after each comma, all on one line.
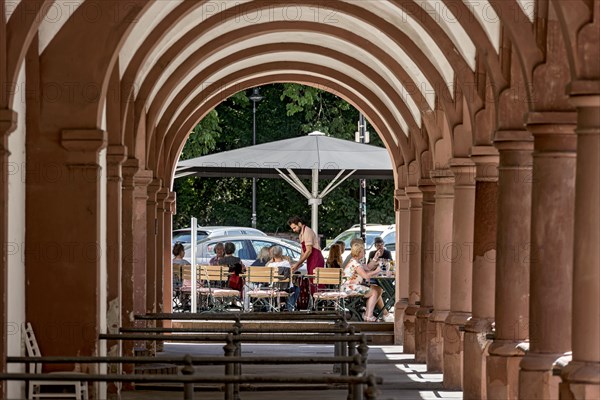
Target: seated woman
[[219, 254], [263, 257], [284, 269], [355, 277], [178, 262], [334, 260]]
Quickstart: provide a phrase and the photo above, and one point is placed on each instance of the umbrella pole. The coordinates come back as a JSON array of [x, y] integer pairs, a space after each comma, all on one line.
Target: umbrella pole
[[314, 201]]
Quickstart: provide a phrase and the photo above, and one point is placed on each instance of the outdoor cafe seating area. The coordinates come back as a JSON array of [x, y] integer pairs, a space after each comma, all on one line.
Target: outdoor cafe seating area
[[266, 291]]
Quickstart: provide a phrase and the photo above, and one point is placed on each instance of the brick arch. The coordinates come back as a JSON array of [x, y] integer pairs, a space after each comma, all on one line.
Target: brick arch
[[21, 29], [169, 55], [579, 28], [171, 109], [84, 107], [175, 137]]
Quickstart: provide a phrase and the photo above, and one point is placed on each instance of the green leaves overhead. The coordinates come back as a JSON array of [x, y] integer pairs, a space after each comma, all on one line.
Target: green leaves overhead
[[287, 110]]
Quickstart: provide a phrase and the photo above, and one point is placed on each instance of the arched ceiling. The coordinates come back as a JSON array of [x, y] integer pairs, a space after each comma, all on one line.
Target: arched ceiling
[[409, 58]]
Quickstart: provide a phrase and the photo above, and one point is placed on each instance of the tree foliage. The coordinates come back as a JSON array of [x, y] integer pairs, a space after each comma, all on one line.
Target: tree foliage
[[287, 110]]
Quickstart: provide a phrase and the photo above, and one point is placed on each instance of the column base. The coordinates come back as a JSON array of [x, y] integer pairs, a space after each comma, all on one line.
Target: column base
[[503, 370], [453, 349], [399, 310], [580, 381], [476, 347], [536, 380], [410, 320], [435, 340], [421, 334]]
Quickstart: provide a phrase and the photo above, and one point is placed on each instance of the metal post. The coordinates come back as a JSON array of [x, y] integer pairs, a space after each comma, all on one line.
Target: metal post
[[361, 137], [255, 97], [314, 201], [229, 349], [193, 240], [188, 369]]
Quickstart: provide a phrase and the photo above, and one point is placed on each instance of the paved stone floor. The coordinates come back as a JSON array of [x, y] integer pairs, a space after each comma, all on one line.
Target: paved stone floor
[[402, 377]]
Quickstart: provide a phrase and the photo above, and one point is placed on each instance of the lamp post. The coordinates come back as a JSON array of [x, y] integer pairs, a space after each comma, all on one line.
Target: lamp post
[[255, 97], [362, 136]]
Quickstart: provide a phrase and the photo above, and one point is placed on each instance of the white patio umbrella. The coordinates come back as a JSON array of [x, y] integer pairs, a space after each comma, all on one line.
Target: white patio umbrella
[[315, 155]]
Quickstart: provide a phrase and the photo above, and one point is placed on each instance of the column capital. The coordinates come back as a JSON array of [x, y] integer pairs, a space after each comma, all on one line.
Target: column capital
[[115, 157], [427, 187], [513, 140], [170, 204], [136, 178], [464, 171], [486, 159], [415, 197], [401, 200], [116, 154], [554, 133], [441, 176], [83, 145], [8, 121], [584, 93]]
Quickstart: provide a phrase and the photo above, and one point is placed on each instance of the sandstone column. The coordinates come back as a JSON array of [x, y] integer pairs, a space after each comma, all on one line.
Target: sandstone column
[[163, 245], [462, 270], [151, 244], [414, 267], [512, 262], [553, 198], [581, 378], [426, 303], [133, 296], [169, 210], [442, 242], [115, 157], [484, 272], [63, 253], [402, 232], [8, 123]]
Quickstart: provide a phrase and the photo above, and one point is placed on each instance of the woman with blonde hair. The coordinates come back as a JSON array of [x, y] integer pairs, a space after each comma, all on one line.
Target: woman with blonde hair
[[356, 278]]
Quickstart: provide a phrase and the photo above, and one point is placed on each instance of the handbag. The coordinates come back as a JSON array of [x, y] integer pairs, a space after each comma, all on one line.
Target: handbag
[[236, 282]]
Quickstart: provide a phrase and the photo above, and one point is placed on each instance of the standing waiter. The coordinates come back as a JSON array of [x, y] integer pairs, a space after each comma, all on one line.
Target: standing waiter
[[311, 250]]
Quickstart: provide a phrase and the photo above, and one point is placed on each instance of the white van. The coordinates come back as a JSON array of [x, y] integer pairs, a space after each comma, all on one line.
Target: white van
[[387, 232]]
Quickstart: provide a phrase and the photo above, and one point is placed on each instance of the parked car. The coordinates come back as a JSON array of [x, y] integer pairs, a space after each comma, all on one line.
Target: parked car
[[387, 232], [184, 235], [247, 247]]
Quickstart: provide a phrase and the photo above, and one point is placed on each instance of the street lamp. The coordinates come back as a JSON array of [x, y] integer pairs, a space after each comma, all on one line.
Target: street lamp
[[255, 97]]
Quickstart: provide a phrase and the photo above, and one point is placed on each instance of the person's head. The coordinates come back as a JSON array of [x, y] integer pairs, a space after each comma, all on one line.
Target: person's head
[[295, 223], [263, 254], [358, 250], [220, 249], [342, 245], [335, 253], [277, 252], [229, 248], [178, 250], [378, 242], [357, 240]]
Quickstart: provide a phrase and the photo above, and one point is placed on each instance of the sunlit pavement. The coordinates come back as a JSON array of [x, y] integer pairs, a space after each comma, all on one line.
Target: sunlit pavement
[[402, 378]]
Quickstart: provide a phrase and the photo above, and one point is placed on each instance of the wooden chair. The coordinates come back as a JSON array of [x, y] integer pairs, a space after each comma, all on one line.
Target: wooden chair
[[34, 388], [328, 283], [265, 293], [215, 288]]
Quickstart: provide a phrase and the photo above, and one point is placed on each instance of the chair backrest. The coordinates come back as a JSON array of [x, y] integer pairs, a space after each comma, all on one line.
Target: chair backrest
[[32, 348], [328, 276], [261, 274], [214, 275]]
